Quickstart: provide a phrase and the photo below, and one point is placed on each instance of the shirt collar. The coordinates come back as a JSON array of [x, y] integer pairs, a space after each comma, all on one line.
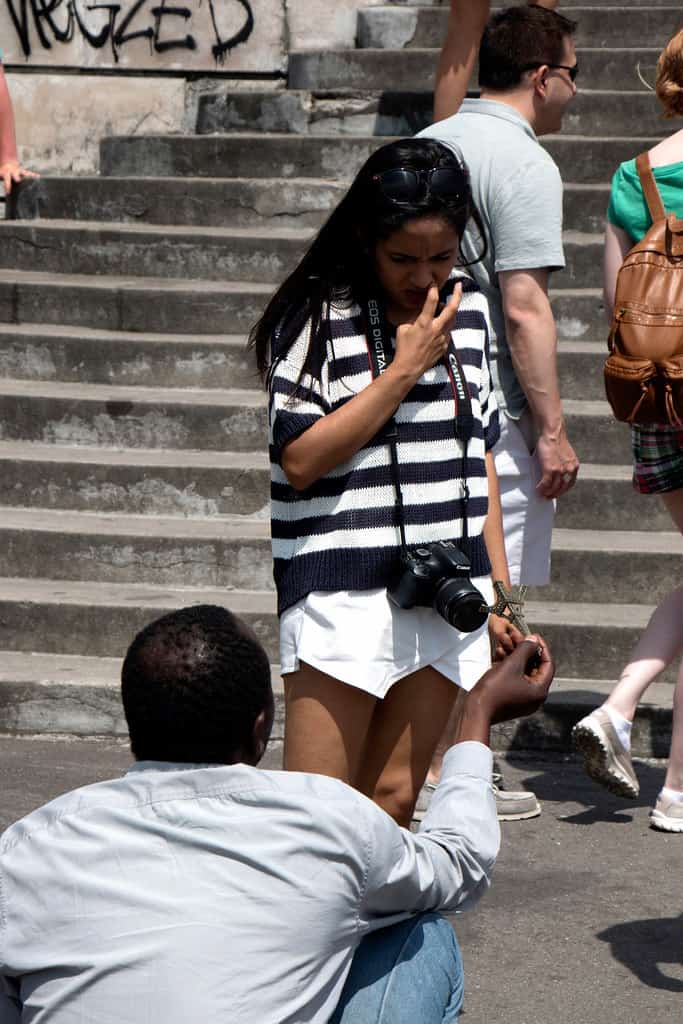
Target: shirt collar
[[168, 766], [496, 109]]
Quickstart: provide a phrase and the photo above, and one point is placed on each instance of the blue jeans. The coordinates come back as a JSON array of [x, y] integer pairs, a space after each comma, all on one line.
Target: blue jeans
[[410, 972]]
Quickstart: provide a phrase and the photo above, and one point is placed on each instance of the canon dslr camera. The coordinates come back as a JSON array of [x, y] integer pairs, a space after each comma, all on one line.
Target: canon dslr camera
[[438, 574]]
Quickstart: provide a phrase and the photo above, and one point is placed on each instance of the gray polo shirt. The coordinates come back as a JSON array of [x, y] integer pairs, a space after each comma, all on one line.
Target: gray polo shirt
[[518, 190]]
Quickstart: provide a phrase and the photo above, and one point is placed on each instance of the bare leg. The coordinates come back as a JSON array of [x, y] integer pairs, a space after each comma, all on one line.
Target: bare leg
[[661, 642], [674, 772], [326, 724], [447, 738], [405, 728]]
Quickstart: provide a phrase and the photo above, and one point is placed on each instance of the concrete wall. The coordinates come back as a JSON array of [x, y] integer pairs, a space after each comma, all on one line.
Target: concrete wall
[[321, 24], [155, 35], [77, 74]]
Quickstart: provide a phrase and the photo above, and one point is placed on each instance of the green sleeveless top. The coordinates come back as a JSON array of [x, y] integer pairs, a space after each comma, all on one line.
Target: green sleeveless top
[[627, 207]]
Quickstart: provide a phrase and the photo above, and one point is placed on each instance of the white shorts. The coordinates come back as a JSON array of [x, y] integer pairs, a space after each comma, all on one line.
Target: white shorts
[[527, 517], [362, 639]]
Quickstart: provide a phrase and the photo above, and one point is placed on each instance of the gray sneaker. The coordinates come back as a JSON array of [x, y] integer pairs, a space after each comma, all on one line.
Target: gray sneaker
[[511, 805], [667, 815], [605, 759], [514, 804]]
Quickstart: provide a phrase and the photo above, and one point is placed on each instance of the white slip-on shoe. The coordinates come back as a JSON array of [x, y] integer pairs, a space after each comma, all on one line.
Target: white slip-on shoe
[[605, 758], [667, 815]]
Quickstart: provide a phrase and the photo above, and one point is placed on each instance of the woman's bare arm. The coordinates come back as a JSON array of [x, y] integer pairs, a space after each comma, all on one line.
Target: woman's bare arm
[[617, 244]]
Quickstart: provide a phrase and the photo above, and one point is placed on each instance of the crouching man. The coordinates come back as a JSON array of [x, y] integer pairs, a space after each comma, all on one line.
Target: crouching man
[[201, 888]]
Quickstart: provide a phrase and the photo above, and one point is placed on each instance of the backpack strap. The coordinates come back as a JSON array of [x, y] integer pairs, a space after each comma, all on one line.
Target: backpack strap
[[650, 190]]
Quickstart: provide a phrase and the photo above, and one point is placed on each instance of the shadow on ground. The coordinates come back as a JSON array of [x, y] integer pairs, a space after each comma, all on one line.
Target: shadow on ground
[[643, 946]]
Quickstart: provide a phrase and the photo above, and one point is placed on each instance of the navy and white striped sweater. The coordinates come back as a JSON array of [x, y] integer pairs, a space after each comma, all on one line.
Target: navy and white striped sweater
[[342, 532]]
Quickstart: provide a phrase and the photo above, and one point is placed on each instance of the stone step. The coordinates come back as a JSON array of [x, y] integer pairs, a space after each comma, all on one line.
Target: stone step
[[219, 202], [569, 700], [53, 412], [585, 207], [396, 28], [594, 432], [132, 480], [414, 69], [581, 159], [98, 619], [54, 352], [75, 696], [579, 313], [352, 112], [604, 494], [580, 368], [233, 552], [214, 254], [81, 696], [209, 483], [228, 552], [131, 304], [583, 253], [247, 203], [618, 566], [165, 306]]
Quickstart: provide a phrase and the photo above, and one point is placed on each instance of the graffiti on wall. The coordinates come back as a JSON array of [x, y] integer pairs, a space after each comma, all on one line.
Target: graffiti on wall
[[42, 24]]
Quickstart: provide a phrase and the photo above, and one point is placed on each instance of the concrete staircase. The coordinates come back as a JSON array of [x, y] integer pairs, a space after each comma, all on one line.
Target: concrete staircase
[[134, 467]]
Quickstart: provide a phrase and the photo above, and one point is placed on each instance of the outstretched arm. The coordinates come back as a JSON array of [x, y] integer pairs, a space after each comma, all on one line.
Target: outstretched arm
[[10, 168], [458, 56]]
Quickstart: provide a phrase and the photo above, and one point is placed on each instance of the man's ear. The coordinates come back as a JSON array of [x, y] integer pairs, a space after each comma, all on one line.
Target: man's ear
[[260, 734], [539, 77]]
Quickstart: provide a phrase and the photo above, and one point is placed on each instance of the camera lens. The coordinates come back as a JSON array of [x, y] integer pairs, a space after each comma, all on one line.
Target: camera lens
[[461, 604]]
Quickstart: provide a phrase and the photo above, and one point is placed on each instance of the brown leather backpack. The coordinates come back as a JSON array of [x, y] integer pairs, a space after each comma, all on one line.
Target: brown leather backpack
[[644, 371]]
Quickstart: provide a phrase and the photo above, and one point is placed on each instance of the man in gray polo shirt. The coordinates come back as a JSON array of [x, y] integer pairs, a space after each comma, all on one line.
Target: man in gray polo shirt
[[527, 71]]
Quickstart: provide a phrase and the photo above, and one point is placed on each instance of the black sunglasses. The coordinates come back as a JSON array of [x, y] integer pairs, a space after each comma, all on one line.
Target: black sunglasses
[[573, 69], [403, 185]]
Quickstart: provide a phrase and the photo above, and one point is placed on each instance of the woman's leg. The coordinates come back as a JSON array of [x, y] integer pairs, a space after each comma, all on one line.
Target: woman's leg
[[409, 973], [674, 771], [404, 731], [660, 643], [326, 724]]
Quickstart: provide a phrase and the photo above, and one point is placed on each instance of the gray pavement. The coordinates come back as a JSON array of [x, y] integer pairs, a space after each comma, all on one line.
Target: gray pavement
[[583, 924]]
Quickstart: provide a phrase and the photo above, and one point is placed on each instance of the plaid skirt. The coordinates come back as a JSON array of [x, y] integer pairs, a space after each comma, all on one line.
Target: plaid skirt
[[658, 458]]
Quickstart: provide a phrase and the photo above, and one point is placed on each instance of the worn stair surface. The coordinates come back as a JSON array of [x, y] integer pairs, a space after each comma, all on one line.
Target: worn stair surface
[[133, 451]]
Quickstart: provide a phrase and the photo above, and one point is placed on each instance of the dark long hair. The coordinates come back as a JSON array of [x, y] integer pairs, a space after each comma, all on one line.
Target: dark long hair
[[339, 265]]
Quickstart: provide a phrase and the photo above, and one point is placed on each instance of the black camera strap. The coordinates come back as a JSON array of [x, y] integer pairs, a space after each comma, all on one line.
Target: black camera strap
[[380, 355]]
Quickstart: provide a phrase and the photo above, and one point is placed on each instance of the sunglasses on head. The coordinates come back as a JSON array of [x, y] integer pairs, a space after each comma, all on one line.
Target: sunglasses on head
[[403, 185], [573, 69]]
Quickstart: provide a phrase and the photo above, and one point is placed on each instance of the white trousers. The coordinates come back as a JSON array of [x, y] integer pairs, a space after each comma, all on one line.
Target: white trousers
[[527, 517]]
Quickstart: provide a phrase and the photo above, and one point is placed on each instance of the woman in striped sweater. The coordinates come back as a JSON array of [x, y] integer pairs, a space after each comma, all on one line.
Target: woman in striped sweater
[[369, 449]]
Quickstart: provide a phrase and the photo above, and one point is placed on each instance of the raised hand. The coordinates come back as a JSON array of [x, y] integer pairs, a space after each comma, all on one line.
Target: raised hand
[[424, 342]]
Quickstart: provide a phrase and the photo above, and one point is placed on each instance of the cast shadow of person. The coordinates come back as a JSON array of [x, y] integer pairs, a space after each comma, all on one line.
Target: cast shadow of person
[[644, 946]]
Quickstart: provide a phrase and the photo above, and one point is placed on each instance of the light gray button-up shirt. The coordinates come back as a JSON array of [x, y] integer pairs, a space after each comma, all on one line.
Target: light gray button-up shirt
[[182, 894]]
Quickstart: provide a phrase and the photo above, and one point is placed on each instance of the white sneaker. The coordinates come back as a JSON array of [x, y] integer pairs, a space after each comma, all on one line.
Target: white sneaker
[[605, 758]]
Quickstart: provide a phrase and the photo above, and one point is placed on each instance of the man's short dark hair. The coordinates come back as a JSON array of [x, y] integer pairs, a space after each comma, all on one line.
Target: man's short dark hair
[[193, 683], [518, 38]]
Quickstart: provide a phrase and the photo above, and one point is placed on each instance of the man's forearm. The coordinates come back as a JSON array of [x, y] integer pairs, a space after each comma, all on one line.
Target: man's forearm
[[532, 339]]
